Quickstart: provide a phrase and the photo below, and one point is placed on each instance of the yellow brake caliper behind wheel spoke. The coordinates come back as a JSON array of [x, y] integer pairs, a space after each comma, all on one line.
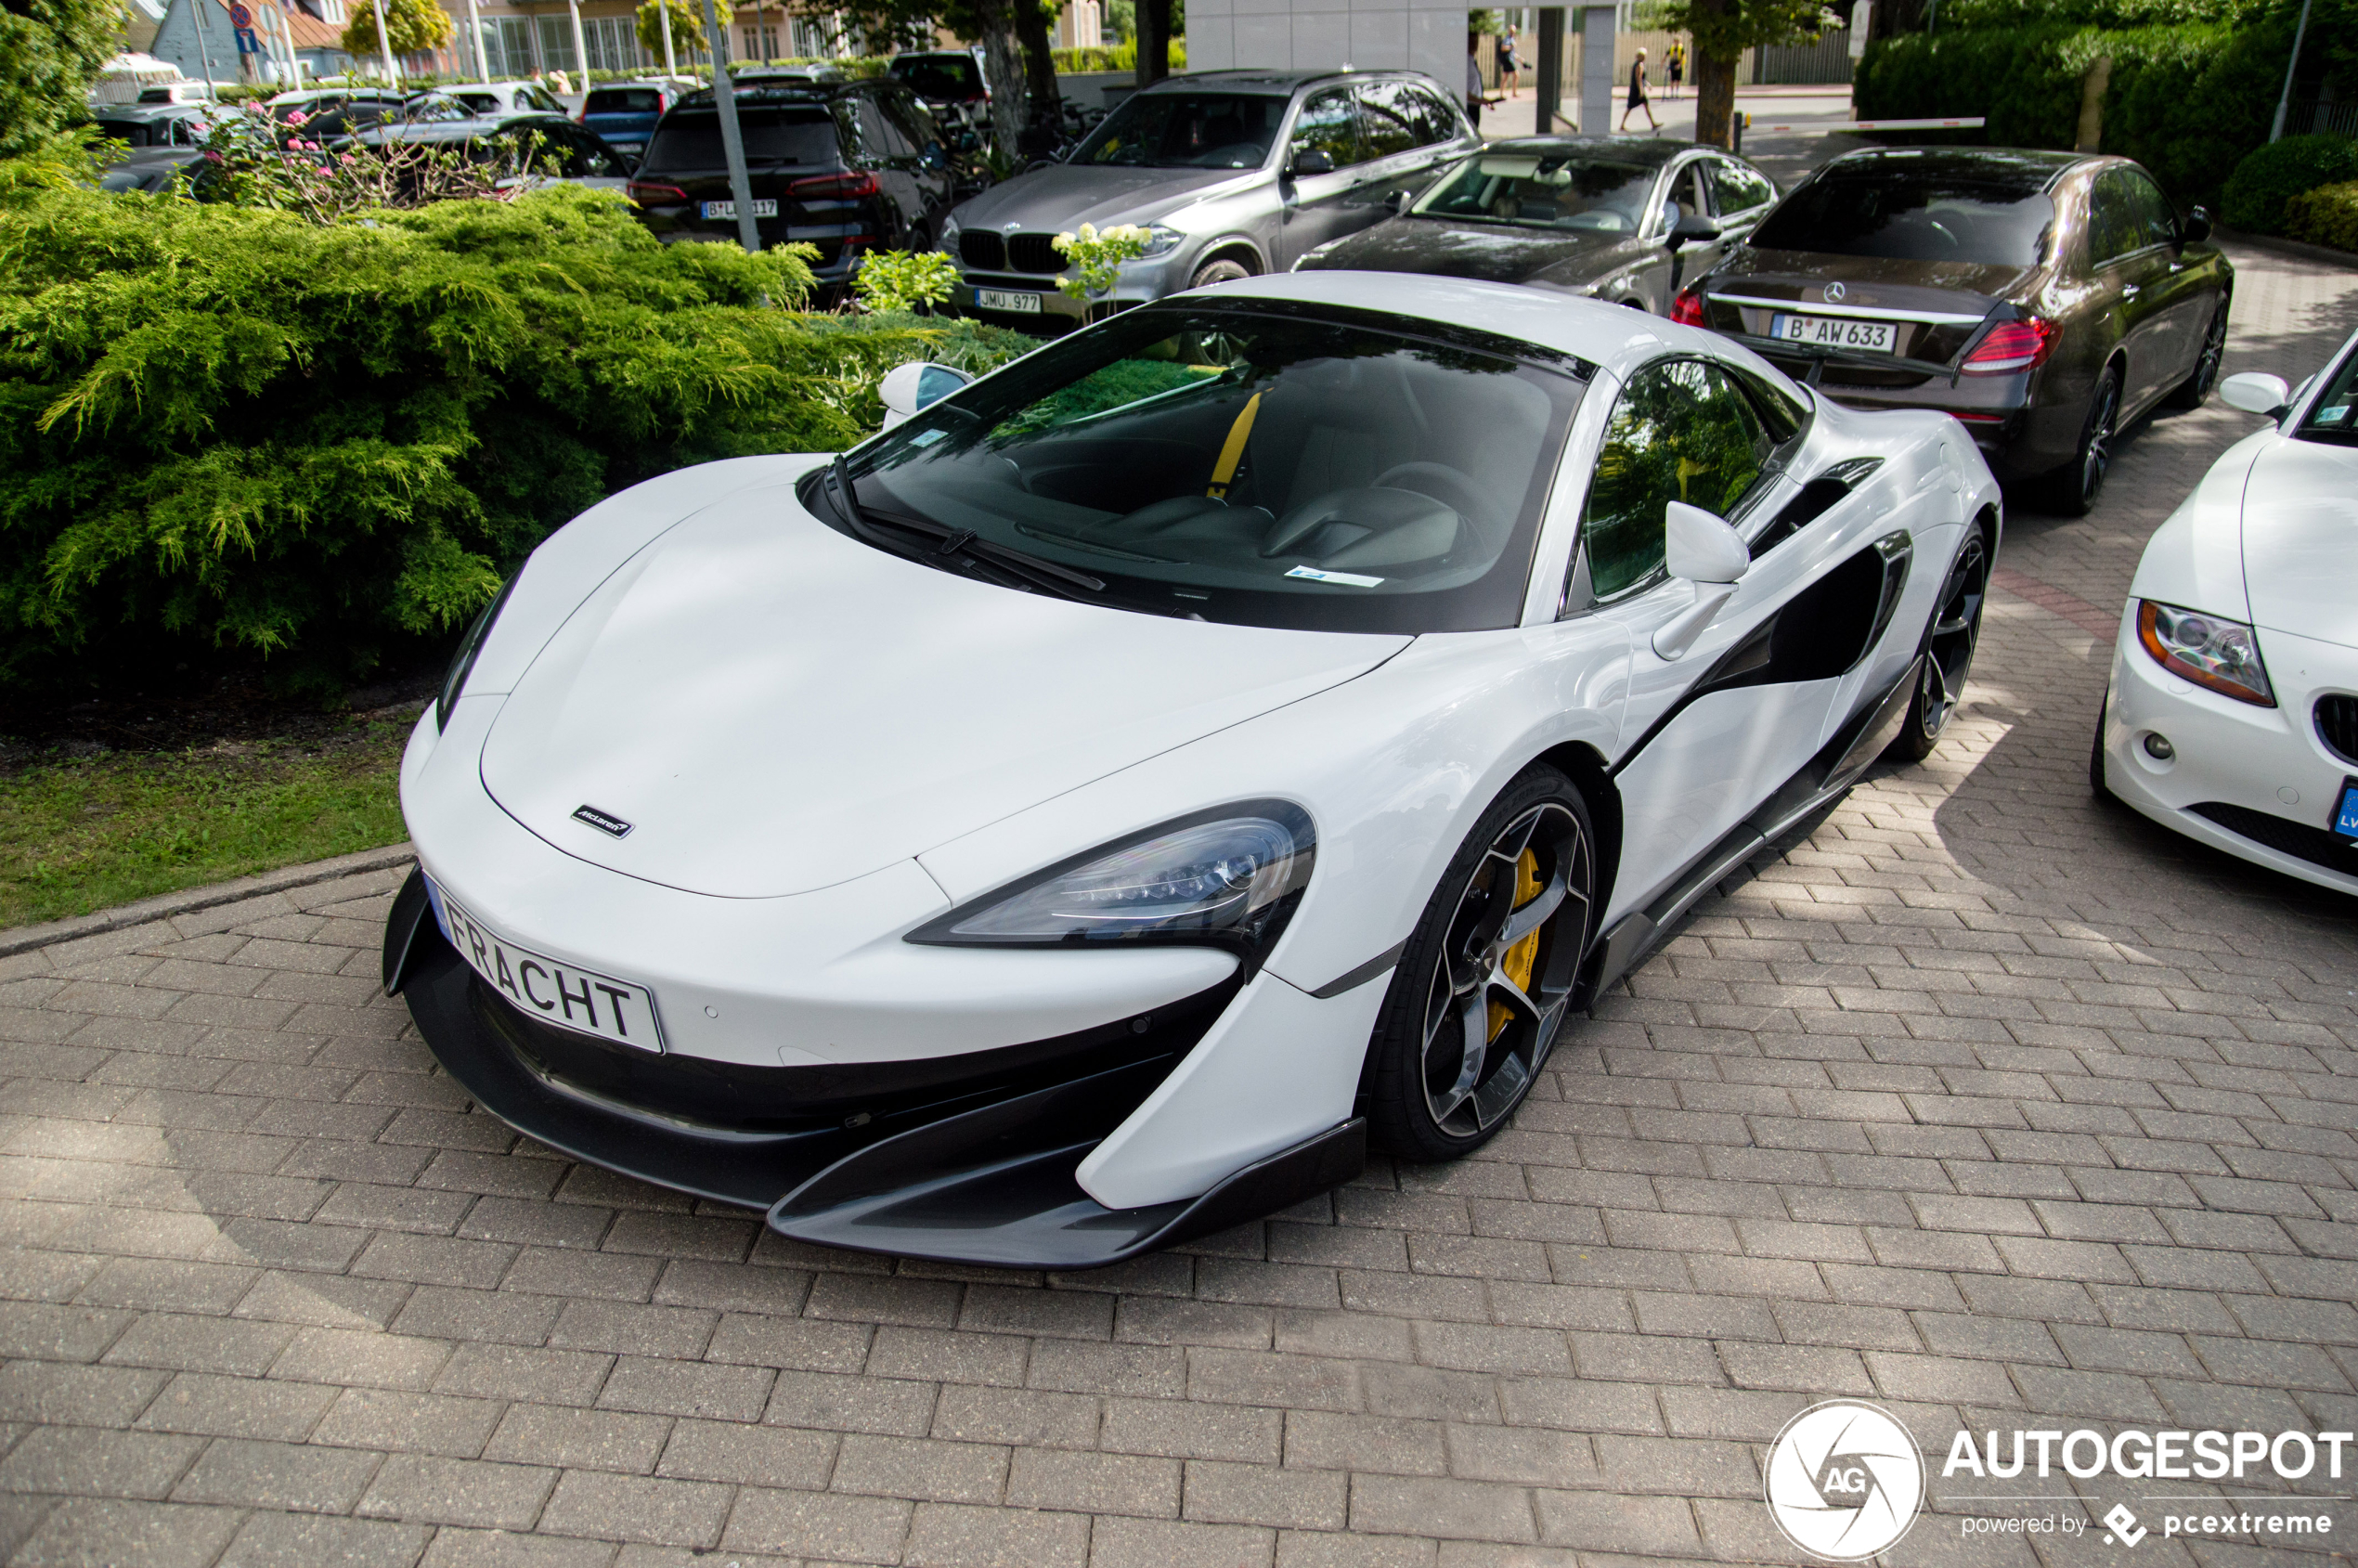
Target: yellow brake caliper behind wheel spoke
[[1524, 954]]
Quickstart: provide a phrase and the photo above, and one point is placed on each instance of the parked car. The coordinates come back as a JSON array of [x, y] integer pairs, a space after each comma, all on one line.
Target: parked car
[[847, 166], [150, 125], [2045, 299], [949, 82], [1618, 220], [625, 112], [2232, 714], [1233, 173], [1047, 831], [150, 169], [505, 97], [563, 152], [331, 114], [178, 92]]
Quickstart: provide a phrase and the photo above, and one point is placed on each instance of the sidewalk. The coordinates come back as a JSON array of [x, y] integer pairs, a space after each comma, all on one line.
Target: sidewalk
[[1786, 158]]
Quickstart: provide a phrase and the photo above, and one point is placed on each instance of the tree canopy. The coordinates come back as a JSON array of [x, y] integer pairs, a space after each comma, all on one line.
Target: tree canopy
[[50, 52], [419, 27]]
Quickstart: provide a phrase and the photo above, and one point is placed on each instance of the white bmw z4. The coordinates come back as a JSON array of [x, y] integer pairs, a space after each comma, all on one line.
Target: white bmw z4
[[1077, 819], [2232, 714]]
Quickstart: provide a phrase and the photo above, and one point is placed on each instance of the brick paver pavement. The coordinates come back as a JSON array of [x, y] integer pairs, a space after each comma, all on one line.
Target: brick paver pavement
[[1981, 1101]]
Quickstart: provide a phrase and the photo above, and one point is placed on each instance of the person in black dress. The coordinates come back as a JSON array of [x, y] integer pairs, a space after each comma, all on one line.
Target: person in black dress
[[1638, 94]]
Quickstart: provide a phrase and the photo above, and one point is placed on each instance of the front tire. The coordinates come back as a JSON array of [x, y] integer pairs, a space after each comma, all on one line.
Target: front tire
[[1221, 269], [1949, 649], [1486, 977], [2195, 390]]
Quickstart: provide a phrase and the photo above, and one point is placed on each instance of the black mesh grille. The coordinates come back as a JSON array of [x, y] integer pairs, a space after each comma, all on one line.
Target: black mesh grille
[[2297, 839], [1033, 252], [980, 248], [2338, 726]]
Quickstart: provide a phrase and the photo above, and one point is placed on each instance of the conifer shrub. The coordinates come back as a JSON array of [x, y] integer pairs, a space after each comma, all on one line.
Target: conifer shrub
[[233, 434]]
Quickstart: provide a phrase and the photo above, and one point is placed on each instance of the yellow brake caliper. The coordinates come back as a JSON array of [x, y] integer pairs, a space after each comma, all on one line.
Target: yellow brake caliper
[[1520, 958]]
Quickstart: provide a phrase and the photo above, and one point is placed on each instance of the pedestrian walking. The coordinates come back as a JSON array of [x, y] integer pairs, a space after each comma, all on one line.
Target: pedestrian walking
[[1638, 94], [1474, 79], [1674, 65], [1509, 72]]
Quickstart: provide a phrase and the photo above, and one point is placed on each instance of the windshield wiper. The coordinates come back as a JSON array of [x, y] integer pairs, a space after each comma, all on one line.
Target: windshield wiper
[[950, 543]]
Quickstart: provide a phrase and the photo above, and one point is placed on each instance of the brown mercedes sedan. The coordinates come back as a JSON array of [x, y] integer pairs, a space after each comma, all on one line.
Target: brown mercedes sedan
[[2045, 299]]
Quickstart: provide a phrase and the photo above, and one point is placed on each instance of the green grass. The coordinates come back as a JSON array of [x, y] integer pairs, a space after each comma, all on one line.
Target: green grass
[[89, 832]]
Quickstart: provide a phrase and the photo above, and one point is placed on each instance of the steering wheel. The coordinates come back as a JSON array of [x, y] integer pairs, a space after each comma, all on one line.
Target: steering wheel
[[1444, 484], [1942, 229]]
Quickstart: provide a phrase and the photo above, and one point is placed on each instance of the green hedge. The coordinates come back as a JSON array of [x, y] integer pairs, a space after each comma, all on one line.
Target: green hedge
[[2186, 101], [2327, 215], [229, 433], [2270, 176]]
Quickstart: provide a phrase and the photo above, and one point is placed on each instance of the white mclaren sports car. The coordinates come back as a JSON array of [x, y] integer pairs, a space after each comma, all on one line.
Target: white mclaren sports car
[[2232, 715], [1080, 818]]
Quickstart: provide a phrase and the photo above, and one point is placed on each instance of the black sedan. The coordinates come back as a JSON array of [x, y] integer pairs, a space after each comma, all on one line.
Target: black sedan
[[1618, 220], [2044, 299], [848, 167]]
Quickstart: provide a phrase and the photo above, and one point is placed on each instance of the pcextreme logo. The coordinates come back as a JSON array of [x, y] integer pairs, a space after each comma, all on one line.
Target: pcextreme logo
[[1845, 1479]]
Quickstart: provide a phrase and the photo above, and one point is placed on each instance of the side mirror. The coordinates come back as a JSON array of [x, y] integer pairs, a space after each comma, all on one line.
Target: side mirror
[[1310, 161], [909, 389], [2255, 392], [1692, 228], [2196, 228], [1395, 201], [1702, 548]]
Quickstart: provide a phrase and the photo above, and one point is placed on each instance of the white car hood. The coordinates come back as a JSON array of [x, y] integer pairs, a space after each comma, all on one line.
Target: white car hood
[[2301, 540], [775, 708]]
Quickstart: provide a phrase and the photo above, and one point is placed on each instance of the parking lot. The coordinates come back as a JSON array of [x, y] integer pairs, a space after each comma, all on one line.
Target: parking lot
[[1981, 1100]]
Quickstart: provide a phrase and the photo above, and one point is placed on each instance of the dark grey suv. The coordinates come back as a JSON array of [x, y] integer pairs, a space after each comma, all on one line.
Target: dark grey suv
[[1233, 173]]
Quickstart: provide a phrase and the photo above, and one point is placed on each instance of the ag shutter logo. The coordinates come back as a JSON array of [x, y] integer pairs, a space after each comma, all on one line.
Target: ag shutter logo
[[2124, 1524], [1845, 1479]]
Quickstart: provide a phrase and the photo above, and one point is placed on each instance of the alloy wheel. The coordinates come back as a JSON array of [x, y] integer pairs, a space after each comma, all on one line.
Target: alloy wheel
[[2095, 457], [1956, 627], [2214, 348], [1507, 969]]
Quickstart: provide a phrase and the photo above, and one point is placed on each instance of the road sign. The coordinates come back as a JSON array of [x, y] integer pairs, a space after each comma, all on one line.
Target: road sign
[[240, 18], [247, 43]]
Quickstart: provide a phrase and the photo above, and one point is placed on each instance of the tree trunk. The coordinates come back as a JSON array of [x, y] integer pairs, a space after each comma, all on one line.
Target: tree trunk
[[1002, 64], [1154, 41], [1045, 126], [1714, 73]]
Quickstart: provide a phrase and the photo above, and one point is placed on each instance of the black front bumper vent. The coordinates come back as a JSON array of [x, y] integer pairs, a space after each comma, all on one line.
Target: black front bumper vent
[[2337, 717], [2297, 839]]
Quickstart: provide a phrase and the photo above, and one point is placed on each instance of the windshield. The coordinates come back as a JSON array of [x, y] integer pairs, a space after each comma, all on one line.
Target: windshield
[[2334, 417], [1255, 467], [1569, 193], [1186, 130], [1907, 215], [690, 143], [939, 76]]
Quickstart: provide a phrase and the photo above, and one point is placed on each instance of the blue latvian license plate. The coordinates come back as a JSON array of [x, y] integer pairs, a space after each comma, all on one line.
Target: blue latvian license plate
[[2346, 812], [562, 994]]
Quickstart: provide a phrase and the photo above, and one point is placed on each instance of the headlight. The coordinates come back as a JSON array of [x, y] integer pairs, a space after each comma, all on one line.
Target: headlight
[[1162, 241], [454, 680], [2221, 654], [949, 240], [1227, 877]]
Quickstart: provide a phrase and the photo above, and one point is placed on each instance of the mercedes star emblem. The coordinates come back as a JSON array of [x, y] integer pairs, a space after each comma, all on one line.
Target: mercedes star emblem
[[1833, 292]]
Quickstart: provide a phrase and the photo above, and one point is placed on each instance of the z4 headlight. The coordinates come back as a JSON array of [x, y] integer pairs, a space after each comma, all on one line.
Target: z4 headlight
[[1226, 877], [2222, 656], [463, 663]]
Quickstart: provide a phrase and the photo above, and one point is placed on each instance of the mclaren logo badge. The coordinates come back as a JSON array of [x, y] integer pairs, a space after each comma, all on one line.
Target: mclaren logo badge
[[1833, 292], [605, 821]]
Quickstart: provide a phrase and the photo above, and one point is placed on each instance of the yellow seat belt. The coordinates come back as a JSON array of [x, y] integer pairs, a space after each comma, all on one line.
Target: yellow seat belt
[[1232, 452]]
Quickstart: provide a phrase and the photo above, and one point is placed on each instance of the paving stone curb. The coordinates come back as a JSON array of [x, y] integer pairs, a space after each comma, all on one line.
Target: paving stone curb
[[25, 939]]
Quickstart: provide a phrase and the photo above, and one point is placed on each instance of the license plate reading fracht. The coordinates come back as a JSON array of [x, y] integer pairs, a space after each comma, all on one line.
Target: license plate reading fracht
[[763, 207], [562, 995], [1007, 299], [1832, 331]]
